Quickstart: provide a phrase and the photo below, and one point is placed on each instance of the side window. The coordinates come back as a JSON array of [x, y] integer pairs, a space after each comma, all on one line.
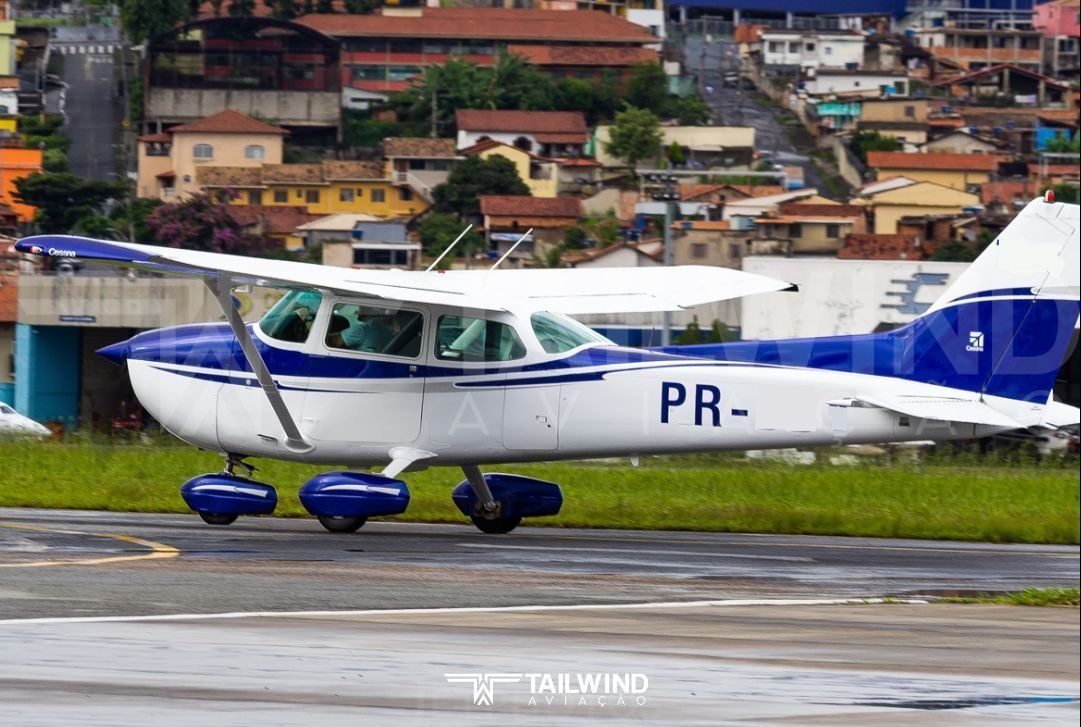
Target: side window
[[369, 329], [461, 338], [203, 152], [291, 317]]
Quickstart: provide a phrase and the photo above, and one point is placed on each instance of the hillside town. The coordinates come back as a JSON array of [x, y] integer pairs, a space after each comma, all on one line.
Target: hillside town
[[865, 150]]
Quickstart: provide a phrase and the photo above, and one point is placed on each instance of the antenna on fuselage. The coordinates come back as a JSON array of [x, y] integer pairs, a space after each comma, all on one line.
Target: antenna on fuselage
[[512, 248], [449, 248]]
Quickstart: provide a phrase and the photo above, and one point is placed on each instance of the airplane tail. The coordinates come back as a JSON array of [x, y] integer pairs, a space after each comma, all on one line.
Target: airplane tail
[[1004, 326]]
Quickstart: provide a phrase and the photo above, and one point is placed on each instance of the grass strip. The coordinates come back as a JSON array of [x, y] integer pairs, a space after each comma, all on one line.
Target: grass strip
[[1061, 597], [956, 500]]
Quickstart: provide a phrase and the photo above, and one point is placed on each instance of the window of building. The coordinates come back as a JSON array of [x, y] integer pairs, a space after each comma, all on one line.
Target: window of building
[[775, 47], [255, 151], [379, 195], [291, 317], [795, 230], [810, 47], [559, 334], [793, 47], [405, 194], [311, 196], [281, 196], [829, 50], [699, 250], [734, 251], [461, 338], [255, 196], [358, 192], [382, 258], [910, 112], [375, 330], [833, 231], [345, 194], [202, 152]]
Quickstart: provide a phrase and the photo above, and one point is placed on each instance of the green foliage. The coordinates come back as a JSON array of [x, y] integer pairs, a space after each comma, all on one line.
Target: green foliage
[[240, 8], [360, 7], [553, 258], [440, 229], [604, 228], [198, 222], [719, 332], [1035, 503], [62, 199], [136, 100], [675, 153], [1064, 144], [954, 251], [55, 160], [359, 129], [1067, 193], [647, 87], [865, 141], [1062, 597], [283, 9], [133, 217], [474, 177], [692, 334], [690, 111], [143, 19], [597, 100], [293, 154], [40, 125], [636, 135], [574, 238]]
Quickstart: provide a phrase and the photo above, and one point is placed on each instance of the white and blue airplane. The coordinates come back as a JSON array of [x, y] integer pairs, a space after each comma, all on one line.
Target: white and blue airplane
[[403, 370]]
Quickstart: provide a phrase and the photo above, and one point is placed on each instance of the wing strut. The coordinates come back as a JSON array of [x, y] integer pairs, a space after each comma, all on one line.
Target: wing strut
[[222, 288]]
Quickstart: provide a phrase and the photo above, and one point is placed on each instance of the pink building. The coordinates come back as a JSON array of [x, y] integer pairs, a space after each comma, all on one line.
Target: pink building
[[1058, 17]]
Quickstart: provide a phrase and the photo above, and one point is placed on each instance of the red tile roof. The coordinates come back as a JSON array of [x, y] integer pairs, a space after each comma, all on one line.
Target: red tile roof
[[945, 162], [866, 246], [821, 210], [273, 219], [569, 55], [500, 24], [526, 122], [523, 206], [1007, 190], [228, 122]]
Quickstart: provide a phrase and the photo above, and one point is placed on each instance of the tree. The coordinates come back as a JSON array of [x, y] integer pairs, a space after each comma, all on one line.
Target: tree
[[63, 199], [648, 86], [144, 19], [514, 84], [200, 223], [1067, 193], [1064, 144], [719, 332], [440, 229], [690, 111], [360, 7], [865, 141], [635, 136], [954, 251], [675, 154], [474, 177], [574, 238], [597, 100], [692, 334], [282, 9]]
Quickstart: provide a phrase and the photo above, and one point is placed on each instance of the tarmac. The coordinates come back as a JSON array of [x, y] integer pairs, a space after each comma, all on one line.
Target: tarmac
[[120, 618]]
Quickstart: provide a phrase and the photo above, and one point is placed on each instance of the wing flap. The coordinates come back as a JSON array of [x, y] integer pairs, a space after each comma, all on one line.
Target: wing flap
[[942, 408]]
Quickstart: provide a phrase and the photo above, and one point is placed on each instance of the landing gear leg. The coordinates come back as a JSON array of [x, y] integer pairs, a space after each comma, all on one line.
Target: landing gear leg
[[232, 462], [487, 519]]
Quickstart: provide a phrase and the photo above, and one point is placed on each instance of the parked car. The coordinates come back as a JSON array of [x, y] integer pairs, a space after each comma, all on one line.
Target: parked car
[[14, 424]]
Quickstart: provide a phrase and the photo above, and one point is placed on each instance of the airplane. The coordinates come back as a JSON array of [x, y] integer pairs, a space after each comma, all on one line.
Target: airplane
[[404, 370]]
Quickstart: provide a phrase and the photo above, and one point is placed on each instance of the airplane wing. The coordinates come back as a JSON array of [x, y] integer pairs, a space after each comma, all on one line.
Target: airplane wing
[[940, 408], [560, 290]]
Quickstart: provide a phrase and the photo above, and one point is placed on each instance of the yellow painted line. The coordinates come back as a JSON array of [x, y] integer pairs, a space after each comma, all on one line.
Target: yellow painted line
[[157, 550]]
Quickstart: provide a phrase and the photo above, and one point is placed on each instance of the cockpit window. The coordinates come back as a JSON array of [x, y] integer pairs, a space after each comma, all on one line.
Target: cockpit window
[[461, 338], [291, 317], [5, 409], [376, 330], [558, 334]]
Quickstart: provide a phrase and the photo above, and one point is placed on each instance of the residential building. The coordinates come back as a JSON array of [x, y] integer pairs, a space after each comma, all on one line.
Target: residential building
[[1007, 81], [961, 142], [539, 174], [903, 119], [382, 51], [8, 45], [277, 223], [801, 228], [545, 133], [255, 65], [741, 213], [15, 164], [832, 116], [709, 242], [788, 13], [976, 48], [869, 246], [9, 103], [619, 255], [856, 83], [167, 161], [1060, 22], [327, 188], [421, 164], [506, 218], [362, 241], [958, 171], [811, 49], [888, 207], [585, 62], [704, 147]]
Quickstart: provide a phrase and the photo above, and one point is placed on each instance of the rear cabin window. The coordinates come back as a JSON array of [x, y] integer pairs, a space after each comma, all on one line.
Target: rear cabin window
[[461, 338], [369, 329]]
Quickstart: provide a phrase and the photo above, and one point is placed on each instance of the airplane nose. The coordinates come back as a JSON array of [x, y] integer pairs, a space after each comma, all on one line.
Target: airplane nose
[[117, 352]]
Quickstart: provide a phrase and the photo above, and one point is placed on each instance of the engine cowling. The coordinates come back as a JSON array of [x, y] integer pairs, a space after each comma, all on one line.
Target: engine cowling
[[354, 494], [517, 495], [225, 494]]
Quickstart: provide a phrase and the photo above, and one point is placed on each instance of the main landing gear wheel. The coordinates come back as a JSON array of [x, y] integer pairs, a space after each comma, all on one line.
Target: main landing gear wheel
[[342, 524], [217, 518], [495, 526]]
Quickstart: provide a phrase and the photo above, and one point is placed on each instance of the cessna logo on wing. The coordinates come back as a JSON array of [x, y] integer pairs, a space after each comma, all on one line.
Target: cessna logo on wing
[[975, 342], [57, 252]]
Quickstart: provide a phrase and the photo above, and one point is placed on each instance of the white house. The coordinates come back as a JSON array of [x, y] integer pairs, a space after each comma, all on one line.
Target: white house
[[812, 49], [871, 84], [553, 134]]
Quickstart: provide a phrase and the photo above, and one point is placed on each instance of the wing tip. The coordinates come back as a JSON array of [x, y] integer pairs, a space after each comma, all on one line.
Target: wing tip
[[791, 288]]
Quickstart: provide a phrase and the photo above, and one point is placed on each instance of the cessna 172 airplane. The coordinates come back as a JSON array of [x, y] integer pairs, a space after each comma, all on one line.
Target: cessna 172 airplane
[[404, 369]]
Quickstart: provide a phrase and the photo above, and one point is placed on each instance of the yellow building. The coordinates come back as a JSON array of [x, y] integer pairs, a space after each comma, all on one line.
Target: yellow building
[[169, 161], [327, 188], [539, 174], [8, 43], [957, 171], [915, 200], [903, 119]]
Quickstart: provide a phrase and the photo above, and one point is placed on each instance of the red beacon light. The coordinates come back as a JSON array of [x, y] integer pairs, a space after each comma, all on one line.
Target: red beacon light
[[1049, 196]]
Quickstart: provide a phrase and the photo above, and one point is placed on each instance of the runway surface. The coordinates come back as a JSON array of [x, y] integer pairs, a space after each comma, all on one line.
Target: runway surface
[[782, 660]]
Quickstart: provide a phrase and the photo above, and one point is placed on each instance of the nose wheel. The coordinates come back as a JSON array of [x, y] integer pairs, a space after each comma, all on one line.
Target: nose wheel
[[495, 526], [218, 518], [342, 524]]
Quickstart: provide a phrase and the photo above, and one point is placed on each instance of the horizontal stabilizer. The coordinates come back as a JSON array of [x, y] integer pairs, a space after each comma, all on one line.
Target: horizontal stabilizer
[[1057, 415], [941, 408]]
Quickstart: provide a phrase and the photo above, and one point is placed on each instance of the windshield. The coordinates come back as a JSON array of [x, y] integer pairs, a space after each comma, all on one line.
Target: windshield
[[291, 317], [558, 334]]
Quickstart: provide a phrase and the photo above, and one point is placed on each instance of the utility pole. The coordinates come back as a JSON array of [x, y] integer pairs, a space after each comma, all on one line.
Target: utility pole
[[669, 194]]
